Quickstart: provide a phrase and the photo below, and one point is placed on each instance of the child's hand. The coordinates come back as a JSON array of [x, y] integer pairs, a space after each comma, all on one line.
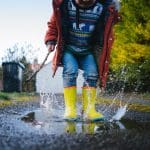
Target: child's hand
[[50, 47]]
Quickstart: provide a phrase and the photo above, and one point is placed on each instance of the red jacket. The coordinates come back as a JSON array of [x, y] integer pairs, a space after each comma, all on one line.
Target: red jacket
[[54, 33]]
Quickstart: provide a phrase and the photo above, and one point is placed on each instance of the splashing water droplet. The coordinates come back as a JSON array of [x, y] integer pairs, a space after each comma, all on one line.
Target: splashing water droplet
[[46, 100], [120, 113]]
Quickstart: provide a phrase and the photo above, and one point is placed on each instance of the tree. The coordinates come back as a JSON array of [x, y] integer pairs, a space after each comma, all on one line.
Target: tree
[[132, 45]]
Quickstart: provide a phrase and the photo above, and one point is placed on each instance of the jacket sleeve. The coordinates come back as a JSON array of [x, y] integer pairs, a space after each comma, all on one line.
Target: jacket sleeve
[[51, 33], [108, 39]]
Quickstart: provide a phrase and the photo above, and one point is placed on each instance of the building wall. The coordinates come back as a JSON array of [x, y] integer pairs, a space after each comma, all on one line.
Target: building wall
[[46, 83]]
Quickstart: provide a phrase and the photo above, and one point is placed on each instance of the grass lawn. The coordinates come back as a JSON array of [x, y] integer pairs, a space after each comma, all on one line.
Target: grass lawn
[[13, 98], [117, 102]]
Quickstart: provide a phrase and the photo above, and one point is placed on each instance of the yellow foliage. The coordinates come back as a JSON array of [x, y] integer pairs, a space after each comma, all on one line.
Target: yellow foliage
[[129, 53]]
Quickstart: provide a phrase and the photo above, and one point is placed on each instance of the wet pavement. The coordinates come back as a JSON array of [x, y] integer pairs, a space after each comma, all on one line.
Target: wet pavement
[[30, 126]]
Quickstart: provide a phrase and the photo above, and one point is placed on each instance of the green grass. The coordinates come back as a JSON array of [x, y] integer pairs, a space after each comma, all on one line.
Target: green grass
[[13, 98], [146, 96], [133, 106], [4, 96]]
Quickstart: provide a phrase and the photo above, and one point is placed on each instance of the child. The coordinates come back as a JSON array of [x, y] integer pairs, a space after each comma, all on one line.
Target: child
[[77, 28]]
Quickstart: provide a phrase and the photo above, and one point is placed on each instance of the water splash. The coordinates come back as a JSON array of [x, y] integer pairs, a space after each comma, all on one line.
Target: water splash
[[120, 113], [46, 100]]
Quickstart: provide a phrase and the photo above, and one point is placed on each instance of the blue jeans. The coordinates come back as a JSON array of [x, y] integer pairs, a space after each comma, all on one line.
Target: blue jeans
[[71, 64]]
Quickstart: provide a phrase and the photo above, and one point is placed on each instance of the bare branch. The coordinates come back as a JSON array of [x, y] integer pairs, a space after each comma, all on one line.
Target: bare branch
[[34, 74]]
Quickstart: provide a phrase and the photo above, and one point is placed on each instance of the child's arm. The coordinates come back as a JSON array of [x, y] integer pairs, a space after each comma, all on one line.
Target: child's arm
[[51, 34]]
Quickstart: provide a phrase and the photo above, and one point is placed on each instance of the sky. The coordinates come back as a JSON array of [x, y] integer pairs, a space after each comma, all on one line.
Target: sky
[[24, 21]]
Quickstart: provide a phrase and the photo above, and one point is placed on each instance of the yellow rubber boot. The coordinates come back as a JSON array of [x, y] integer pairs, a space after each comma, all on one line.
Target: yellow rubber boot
[[70, 103], [89, 97]]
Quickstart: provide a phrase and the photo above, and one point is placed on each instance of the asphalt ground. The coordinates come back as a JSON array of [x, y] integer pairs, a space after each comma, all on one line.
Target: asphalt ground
[[26, 126]]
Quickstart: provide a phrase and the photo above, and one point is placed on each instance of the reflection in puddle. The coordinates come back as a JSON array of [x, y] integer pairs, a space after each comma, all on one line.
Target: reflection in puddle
[[50, 124]]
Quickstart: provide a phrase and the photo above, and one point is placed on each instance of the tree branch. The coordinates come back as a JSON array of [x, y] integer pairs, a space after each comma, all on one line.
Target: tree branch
[[34, 74]]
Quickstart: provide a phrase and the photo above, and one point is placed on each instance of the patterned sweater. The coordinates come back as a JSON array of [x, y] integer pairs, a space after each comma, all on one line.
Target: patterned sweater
[[81, 24]]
